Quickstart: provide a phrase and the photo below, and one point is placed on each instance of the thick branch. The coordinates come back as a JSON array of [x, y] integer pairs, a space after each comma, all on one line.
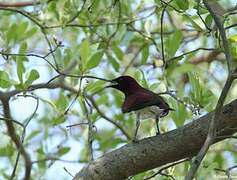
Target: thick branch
[[156, 151], [19, 4]]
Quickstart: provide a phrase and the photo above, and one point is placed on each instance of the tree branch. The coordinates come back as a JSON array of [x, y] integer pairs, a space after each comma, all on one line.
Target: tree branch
[[15, 138], [156, 151], [215, 121]]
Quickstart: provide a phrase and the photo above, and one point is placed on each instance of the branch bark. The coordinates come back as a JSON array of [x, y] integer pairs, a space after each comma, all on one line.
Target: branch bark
[[156, 151], [15, 138]]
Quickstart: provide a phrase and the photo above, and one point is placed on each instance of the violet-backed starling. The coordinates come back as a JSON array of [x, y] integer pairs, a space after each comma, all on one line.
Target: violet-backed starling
[[144, 102]]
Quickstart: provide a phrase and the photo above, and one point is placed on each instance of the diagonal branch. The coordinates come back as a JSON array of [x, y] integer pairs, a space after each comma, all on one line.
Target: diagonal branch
[[15, 138], [215, 121], [153, 152]]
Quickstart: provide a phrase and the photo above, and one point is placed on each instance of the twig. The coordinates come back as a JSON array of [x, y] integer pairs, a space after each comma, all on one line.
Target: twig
[[164, 168], [54, 159], [24, 131], [68, 172], [190, 52], [14, 137], [161, 33], [77, 124], [12, 120], [120, 127], [200, 16], [77, 14], [226, 171]]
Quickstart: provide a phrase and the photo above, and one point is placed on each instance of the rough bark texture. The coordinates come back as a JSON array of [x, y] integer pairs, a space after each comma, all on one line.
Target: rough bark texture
[[152, 152]]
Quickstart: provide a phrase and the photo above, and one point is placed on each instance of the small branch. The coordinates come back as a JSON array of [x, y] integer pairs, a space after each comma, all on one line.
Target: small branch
[[12, 133], [200, 16], [192, 107], [120, 127], [161, 34], [12, 120], [190, 52], [24, 132], [77, 14], [68, 172], [220, 26], [226, 171], [165, 167], [55, 159], [78, 124]]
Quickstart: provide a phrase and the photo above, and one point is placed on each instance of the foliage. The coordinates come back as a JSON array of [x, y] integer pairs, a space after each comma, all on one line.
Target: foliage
[[53, 45]]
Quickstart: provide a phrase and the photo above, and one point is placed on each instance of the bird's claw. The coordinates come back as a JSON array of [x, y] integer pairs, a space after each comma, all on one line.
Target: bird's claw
[[135, 140]]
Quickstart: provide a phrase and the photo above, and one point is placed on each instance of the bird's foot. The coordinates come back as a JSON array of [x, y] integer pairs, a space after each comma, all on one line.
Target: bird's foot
[[158, 133], [135, 140]]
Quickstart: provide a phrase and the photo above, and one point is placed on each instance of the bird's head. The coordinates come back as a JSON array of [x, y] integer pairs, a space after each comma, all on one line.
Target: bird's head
[[126, 84]]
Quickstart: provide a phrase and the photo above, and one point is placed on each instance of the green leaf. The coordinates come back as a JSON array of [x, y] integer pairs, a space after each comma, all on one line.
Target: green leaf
[[102, 99], [84, 50], [32, 135], [8, 151], [113, 62], [208, 20], [94, 60], [182, 69], [82, 104], [92, 87], [173, 43], [233, 38], [118, 52], [40, 150], [63, 150], [58, 120], [21, 29], [32, 77], [145, 53], [23, 48], [182, 4], [62, 102], [194, 24], [195, 85], [19, 62], [11, 33], [140, 76], [68, 56], [49, 102], [31, 32], [147, 27], [179, 115], [4, 80]]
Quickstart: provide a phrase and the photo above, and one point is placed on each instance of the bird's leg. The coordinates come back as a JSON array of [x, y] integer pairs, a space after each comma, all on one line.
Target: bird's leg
[[137, 126], [157, 124]]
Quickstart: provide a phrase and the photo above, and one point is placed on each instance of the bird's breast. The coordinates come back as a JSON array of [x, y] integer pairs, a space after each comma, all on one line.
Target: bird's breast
[[150, 112]]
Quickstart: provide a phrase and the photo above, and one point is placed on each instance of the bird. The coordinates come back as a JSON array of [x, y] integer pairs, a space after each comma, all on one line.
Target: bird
[[145, 103]]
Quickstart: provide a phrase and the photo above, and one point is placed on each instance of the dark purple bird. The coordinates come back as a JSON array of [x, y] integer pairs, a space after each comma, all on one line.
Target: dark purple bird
[[144, 102]]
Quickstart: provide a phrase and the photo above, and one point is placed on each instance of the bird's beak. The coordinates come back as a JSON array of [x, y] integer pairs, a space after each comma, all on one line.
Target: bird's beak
[[111, 84]]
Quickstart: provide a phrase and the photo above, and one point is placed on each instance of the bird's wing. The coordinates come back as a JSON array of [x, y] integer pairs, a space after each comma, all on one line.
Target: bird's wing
[[141, 100]]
